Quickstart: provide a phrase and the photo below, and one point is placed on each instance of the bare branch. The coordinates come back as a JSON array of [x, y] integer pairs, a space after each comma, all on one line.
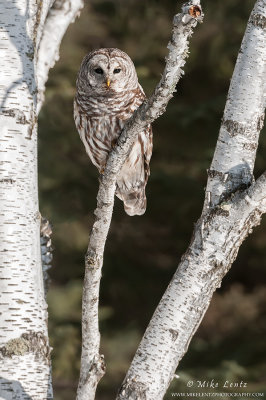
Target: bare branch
[[92, 366], [235, 153], [60, 15], [218, 234], [216, 239]]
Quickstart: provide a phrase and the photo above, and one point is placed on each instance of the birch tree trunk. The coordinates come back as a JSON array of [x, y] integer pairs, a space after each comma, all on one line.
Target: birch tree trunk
[[24, 347]]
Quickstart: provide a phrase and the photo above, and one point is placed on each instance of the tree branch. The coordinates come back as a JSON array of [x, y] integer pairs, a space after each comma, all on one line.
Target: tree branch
[[60, 15], [232, 213], [92, 365], [235, 153], [216, 239]]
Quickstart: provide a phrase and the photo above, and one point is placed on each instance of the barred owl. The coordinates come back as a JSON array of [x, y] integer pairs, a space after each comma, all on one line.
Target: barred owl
[[108, 92]]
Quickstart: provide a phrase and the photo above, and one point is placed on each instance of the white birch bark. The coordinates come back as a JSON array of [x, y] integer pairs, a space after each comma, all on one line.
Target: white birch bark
[[235, 153], [215, 243], [24, 347], [60, 15], [92, 362], [226, 220]]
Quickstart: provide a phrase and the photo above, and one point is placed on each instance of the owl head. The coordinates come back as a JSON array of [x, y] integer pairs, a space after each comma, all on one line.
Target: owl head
[[107, 72]]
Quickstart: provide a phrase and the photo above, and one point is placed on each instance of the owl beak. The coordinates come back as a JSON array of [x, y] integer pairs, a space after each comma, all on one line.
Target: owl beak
[[108, 82]]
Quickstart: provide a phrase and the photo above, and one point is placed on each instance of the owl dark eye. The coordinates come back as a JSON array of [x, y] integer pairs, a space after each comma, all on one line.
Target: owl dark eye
[[99, 71], [117, 70]]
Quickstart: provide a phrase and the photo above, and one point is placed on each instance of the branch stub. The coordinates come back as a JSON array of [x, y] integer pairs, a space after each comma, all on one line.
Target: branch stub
[[194, 11]]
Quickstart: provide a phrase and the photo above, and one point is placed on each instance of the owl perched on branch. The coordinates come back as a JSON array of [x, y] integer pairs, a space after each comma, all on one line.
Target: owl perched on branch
[[108, 92]]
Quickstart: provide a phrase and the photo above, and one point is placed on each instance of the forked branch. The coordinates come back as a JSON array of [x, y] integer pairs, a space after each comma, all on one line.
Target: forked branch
[[92, 364], [233, 207]]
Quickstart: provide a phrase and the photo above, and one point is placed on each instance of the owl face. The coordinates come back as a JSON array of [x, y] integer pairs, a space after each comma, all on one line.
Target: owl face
[[107, 72]]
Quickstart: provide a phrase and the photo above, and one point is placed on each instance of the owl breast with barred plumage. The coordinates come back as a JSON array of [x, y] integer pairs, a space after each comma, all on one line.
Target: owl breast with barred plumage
[[108, 93]]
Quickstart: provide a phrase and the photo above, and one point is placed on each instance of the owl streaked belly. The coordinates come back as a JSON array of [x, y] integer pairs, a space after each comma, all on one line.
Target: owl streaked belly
[[98, 136]]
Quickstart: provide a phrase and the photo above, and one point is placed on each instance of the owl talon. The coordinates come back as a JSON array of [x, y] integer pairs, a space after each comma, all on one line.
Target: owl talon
[[102, 170]]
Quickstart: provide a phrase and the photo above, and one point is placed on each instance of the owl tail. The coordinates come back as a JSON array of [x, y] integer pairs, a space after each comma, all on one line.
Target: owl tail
[[134, 202]]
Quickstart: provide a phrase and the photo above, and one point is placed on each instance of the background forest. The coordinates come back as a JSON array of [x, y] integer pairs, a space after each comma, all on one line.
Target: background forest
[[142, 253]]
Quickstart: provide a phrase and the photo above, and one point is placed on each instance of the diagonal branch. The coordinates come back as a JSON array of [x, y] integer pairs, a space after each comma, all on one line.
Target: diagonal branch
[[216, 239], [92, 365], [232, 213], [60, 15]]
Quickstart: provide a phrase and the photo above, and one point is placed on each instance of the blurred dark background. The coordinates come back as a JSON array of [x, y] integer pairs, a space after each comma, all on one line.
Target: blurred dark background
[[142, 253]]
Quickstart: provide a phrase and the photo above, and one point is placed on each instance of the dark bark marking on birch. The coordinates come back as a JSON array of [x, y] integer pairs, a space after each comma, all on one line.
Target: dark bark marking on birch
[[16, 113], [133, 390], [7, 181], [212, 173], [250, 146], [32, 124], [174, 334], [258, 20], [98, 366], [30, 55], [245, 129], [91, 260], [30, 342]]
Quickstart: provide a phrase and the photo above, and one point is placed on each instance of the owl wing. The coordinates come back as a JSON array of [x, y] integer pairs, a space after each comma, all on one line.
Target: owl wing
[[133, 177]]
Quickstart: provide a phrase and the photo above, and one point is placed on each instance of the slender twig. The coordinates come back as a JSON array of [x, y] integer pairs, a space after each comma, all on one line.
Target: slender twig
[[92, 364]]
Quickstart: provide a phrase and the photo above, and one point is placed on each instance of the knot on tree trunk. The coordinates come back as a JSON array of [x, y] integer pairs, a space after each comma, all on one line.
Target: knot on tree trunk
[[98, 367]]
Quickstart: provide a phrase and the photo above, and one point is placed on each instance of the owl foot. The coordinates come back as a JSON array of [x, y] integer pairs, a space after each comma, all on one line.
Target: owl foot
[[102, 170]]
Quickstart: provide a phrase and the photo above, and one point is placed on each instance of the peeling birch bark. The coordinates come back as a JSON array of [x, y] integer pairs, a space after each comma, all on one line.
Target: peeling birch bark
[[24, 346], [235, 208], [92, 362]]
